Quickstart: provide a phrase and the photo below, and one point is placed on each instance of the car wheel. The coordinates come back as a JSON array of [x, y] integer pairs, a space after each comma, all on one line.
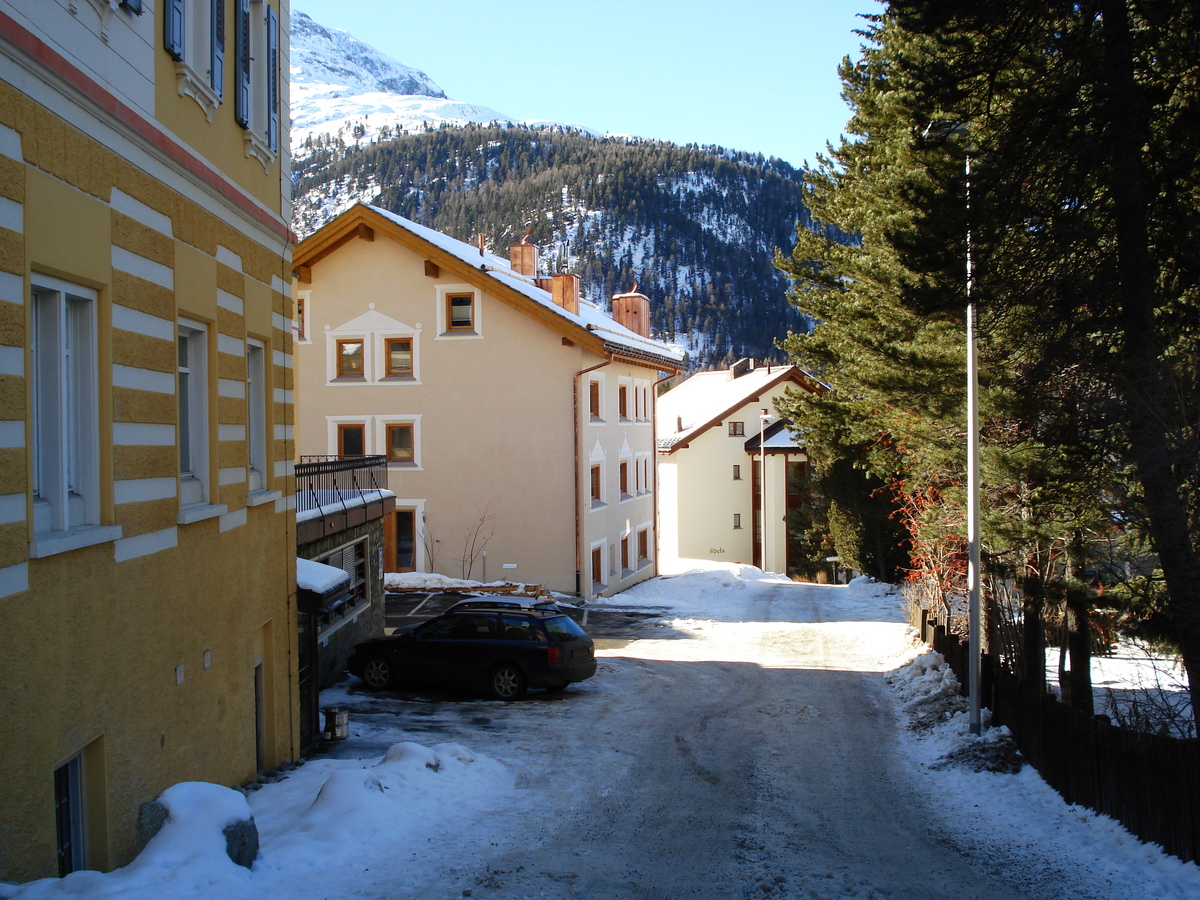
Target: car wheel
[[377, 673], [507, 682]]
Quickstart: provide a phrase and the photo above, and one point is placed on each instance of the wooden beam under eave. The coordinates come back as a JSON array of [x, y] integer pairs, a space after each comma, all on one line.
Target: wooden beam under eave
[[365, 231], [303, 274], [432, 269]]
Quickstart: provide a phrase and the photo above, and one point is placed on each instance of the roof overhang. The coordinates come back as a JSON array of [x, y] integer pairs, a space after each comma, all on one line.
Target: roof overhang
[[360, 222]]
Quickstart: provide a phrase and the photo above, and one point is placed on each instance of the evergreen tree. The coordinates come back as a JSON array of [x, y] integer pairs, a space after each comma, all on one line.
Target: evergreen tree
[[1081, 123]]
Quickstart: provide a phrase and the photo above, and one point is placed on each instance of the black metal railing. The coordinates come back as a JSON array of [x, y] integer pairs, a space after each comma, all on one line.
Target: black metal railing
[[323, 481]]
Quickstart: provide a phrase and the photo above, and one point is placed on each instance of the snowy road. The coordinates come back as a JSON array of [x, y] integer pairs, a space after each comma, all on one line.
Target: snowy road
[[749, 759], [752, 741]]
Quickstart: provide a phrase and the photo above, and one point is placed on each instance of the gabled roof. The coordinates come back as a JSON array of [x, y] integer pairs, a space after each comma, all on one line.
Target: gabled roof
[[592, 328], [779, 437], [709, 398]]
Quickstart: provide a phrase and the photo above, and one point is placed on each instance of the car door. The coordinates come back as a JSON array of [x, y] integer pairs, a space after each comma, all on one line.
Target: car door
[[421, 657], [470, 650], [522, 641]]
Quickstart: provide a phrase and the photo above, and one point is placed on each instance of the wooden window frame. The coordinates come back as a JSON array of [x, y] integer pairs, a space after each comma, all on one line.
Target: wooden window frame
[[625, 567], [594, 400], [341, 438], [361, 375], [737, 472], [389, 372], [459, 329], [737, 520], [623, 402], [598, 572], [412, 441], [643, 545], [623, 477], [737, 429], [597, 482]]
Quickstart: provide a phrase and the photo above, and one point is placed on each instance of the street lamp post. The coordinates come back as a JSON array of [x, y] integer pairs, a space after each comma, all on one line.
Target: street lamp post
[[974, 578]]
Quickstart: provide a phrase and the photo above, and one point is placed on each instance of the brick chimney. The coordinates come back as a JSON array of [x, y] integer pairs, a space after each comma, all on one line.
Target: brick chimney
[[633, 311], [564, 290], [524, 259]]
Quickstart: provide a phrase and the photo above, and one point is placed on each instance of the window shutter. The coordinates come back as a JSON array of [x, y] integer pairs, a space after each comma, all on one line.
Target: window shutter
[[242, 68], [134, 6], [272, 79], [173, 28], [216, 73]]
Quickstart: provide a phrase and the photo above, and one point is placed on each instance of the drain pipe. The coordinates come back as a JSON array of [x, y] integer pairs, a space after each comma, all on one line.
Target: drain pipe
[[654, 465], [576, 434]]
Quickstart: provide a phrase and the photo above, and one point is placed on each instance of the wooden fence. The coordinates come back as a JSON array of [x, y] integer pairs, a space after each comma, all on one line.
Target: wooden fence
[[1148, 783]]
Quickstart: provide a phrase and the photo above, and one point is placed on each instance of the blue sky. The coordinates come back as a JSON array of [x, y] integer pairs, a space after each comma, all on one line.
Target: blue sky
[[755, 75]]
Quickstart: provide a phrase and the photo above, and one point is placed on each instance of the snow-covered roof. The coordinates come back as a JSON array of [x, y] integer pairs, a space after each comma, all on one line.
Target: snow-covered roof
[[318, 577], [591, 316], [708, 397]]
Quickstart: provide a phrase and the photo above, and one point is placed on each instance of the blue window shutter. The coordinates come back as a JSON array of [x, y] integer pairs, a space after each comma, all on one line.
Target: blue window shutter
[[241, 26], [216, 74], [173, 28], [272, 79]]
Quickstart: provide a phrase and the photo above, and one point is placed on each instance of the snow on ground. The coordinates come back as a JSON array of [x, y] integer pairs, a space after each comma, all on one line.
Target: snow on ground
[[331, 826]]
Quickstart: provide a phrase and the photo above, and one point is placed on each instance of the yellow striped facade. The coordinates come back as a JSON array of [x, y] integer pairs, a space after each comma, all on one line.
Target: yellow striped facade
[[153, 641]]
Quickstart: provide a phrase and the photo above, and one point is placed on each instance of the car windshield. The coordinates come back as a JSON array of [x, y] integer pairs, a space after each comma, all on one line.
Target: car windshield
[[562, 628]]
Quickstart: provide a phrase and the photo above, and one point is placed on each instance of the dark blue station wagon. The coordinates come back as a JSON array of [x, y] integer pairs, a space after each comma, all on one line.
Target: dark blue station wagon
[[502, 651]]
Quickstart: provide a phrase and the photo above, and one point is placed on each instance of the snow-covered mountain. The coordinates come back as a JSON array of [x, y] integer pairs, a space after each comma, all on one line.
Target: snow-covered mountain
[[696, 226], [349, 90]]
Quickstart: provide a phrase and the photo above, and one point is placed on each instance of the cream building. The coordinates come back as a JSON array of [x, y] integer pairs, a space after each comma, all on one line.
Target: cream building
[[516, 417], [147, 545], [712, 429]]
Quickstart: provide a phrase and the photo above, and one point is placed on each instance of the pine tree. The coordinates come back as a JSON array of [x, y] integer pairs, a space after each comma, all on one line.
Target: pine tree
[[1081, 125]]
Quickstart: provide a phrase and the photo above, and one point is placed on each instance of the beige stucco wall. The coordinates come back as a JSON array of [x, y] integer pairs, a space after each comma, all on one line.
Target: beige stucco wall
[[136, 652], [492, 413]]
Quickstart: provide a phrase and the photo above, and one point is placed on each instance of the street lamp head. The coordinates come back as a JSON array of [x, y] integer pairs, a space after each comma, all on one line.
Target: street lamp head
[[944, 128]]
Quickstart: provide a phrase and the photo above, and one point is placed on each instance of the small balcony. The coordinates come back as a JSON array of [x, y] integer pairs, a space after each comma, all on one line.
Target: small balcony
[[337, 492]]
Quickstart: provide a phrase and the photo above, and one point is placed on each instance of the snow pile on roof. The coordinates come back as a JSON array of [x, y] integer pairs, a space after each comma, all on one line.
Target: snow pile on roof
[[591, 316], [316, 504], [706, 395], [318, 577]]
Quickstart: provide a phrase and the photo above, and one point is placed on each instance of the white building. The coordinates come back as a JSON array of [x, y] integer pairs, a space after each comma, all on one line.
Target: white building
[[712, 503]]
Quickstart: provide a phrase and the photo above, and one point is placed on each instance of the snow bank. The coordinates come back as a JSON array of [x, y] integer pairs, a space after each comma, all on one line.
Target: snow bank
[[322, 830], [995, 805]]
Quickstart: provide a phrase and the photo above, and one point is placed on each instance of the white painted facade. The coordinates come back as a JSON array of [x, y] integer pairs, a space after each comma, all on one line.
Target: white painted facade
[[711, 504]]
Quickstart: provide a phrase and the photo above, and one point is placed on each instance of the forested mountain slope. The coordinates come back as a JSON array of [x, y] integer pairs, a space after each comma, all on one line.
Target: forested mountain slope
[[695, 227]]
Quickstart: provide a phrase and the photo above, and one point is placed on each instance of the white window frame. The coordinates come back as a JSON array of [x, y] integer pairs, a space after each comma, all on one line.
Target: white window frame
[[302, 332], [332, 340], [193, 395], [600, 579], [444, 333], [640, 561], [256, 415], [380, 342], [381, 437], [66, 406], [598, 380]]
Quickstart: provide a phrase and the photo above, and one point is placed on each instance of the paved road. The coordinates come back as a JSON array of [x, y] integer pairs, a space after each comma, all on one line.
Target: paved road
[[750, 759]]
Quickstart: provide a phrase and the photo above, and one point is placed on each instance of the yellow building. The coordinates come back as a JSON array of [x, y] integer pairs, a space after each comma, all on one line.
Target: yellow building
[[517, 418], [147, 544]]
